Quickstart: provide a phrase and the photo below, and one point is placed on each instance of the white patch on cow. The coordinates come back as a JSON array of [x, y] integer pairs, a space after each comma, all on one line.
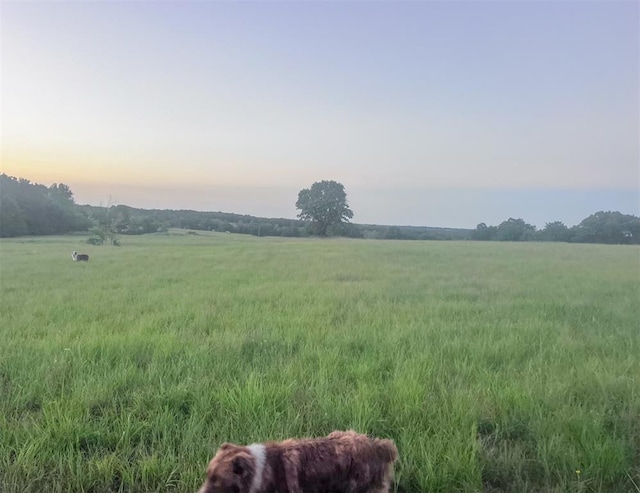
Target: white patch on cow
[[259, 453]]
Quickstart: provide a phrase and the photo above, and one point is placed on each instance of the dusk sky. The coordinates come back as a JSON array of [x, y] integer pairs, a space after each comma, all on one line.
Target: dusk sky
[[430, 113]]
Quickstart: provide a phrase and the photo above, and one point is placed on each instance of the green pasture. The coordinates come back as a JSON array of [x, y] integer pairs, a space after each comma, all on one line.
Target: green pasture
[[494, 366]]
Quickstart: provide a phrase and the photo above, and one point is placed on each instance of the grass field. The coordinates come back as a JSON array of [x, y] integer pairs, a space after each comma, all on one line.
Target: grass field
[[494, 366]]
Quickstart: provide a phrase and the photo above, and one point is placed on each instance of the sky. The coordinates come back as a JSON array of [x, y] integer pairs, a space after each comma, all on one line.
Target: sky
[[429, 113]]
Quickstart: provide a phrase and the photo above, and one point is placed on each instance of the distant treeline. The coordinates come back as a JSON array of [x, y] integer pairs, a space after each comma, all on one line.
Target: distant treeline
[[128, 220], [602, 227], [32, 209]]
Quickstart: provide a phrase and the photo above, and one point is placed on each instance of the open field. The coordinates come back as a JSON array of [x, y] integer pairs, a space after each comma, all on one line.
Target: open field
[[494, 366]]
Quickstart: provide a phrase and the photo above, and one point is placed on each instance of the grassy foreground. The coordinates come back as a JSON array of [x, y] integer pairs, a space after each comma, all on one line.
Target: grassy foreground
[[495, 367]]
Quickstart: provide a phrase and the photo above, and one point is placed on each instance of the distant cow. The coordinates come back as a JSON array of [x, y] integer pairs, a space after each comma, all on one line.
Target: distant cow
[[79, 257]]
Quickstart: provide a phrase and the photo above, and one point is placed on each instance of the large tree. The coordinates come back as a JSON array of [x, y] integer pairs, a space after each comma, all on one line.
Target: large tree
[[325, 205], [515, 230], [608, 227], [484, 232], [32, 209], [555, 231]]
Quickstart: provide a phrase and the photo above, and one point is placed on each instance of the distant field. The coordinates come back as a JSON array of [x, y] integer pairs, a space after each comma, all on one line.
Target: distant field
[[494, 366]]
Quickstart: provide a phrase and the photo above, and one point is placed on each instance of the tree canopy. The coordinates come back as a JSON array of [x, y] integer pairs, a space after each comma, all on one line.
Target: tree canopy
[[325, 205], [28, 208], [515, 230], [32, 209], [609, 227], [602, 227]]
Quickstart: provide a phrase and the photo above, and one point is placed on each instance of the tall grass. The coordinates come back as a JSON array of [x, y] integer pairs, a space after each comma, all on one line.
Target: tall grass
[[496, 367]]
